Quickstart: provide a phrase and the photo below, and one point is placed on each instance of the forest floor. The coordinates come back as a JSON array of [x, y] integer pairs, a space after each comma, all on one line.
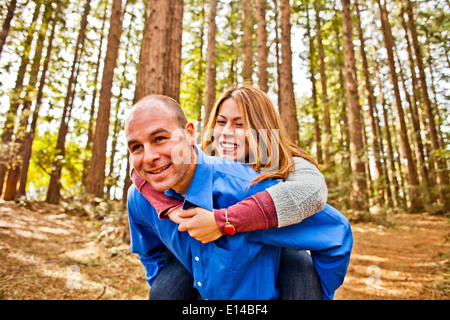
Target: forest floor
[[50, 252]]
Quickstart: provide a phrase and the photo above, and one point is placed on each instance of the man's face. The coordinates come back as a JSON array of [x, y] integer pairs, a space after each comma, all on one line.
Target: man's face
[[161, 151]]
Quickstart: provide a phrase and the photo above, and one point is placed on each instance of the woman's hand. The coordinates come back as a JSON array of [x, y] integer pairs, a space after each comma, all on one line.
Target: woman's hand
[[174, 215], [199, 223]]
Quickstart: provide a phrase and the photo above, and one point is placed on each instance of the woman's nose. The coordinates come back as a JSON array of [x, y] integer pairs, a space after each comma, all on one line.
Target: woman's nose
[[228, 129]]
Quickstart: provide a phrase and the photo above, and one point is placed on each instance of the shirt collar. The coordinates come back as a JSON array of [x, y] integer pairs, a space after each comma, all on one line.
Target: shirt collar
[[199, 192]]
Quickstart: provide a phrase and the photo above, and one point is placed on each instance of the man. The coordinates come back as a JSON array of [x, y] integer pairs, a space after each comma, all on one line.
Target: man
[[239, 266]]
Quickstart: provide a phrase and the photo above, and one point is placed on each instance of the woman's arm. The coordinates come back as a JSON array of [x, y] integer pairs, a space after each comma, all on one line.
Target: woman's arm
[[300, 196]]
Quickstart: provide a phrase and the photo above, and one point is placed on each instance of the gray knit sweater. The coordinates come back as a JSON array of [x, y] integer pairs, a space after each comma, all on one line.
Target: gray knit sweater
[[301, 195]]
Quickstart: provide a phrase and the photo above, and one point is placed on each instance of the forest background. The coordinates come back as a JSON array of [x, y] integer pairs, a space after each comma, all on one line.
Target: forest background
[[361, 85]]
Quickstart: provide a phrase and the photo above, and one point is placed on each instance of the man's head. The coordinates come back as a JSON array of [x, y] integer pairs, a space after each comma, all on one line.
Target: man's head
[[161, 142]]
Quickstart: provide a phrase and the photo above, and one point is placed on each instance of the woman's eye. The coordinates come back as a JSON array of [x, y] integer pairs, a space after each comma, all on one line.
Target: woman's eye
[[220, 122], [238, 124]]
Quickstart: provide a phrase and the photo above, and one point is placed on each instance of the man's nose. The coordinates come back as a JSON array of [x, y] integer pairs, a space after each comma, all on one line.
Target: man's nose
[[151, 154]]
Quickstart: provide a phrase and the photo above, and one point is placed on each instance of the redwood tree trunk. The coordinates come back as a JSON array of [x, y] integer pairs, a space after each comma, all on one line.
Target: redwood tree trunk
[[7, 23], [286, 92], [54, 186], [210, 85], [21, 132], [261, 39], [359, 185], [160, 61], [379, 179], [96, 176], [326, 146], [442, 171], [247, 43], [414, 200]]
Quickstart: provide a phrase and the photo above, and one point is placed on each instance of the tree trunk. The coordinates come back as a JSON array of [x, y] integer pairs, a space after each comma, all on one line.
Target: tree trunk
[[173, 52], [118, 122], [289, 111], [54, 187], [390, 152], [414, 199], [442, 171], [11, 114], [96, 176], [277, 53], [311, 55], [327, 144], [359, 185], [200, 84], [210, 82], [261, 40], [18, 148], [160, 60], [379, 179], [31, 134], [90, 136], [247, 42], [7, 23]]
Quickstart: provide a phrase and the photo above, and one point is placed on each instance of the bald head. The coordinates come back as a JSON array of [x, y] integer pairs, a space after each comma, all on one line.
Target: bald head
[[159, 101]]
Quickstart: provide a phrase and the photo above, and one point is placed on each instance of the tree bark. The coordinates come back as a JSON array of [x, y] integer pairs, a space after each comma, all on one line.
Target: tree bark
[[247, 42], [210, 82], [54, 187], [18, 147], [31, 134], [261, 40], [288, 109], [96, 176], [414, 199], [390, 152], [7, 23], [311, 55], [91, 126], [379, 178], [442, 171], [327, 144], [359, 197], [160, 60], [11, 114]]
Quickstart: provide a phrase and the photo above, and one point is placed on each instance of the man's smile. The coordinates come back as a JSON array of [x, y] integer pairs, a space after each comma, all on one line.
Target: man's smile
[[160, 170]]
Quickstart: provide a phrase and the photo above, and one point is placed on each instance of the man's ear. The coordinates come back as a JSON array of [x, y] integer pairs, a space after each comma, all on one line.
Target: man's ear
[[190, 127]]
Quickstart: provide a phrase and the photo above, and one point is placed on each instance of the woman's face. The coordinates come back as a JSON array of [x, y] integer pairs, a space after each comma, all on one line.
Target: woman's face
[[229, 133]]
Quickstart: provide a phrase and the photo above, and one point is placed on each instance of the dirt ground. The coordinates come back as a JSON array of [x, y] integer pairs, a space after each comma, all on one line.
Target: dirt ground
[[49, 253]]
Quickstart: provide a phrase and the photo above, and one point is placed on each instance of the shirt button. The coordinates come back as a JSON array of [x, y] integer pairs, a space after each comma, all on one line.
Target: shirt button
[[199, 284], [196, 258]]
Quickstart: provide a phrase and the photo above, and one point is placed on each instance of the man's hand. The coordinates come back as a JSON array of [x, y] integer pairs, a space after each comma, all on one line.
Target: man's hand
[[199, 223]]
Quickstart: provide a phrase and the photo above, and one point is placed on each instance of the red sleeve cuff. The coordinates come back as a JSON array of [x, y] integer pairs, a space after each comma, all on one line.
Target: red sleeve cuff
[[254, 213]]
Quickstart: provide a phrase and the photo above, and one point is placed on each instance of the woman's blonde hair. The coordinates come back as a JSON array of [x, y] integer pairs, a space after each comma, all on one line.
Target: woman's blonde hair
[[271, 149]]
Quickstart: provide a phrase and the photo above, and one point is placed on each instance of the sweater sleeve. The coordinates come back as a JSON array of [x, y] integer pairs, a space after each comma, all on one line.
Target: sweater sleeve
[[157, 199], [301, 195], [254, 213]]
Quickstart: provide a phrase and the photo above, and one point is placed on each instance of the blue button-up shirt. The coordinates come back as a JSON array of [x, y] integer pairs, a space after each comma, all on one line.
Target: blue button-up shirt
[[244, 265]]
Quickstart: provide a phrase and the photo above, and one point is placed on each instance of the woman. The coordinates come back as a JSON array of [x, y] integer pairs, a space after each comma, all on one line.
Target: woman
[[244, 126]]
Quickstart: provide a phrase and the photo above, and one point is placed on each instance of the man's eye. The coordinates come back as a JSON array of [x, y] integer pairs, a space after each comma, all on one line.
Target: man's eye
[[160, 139], [136, 148]]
